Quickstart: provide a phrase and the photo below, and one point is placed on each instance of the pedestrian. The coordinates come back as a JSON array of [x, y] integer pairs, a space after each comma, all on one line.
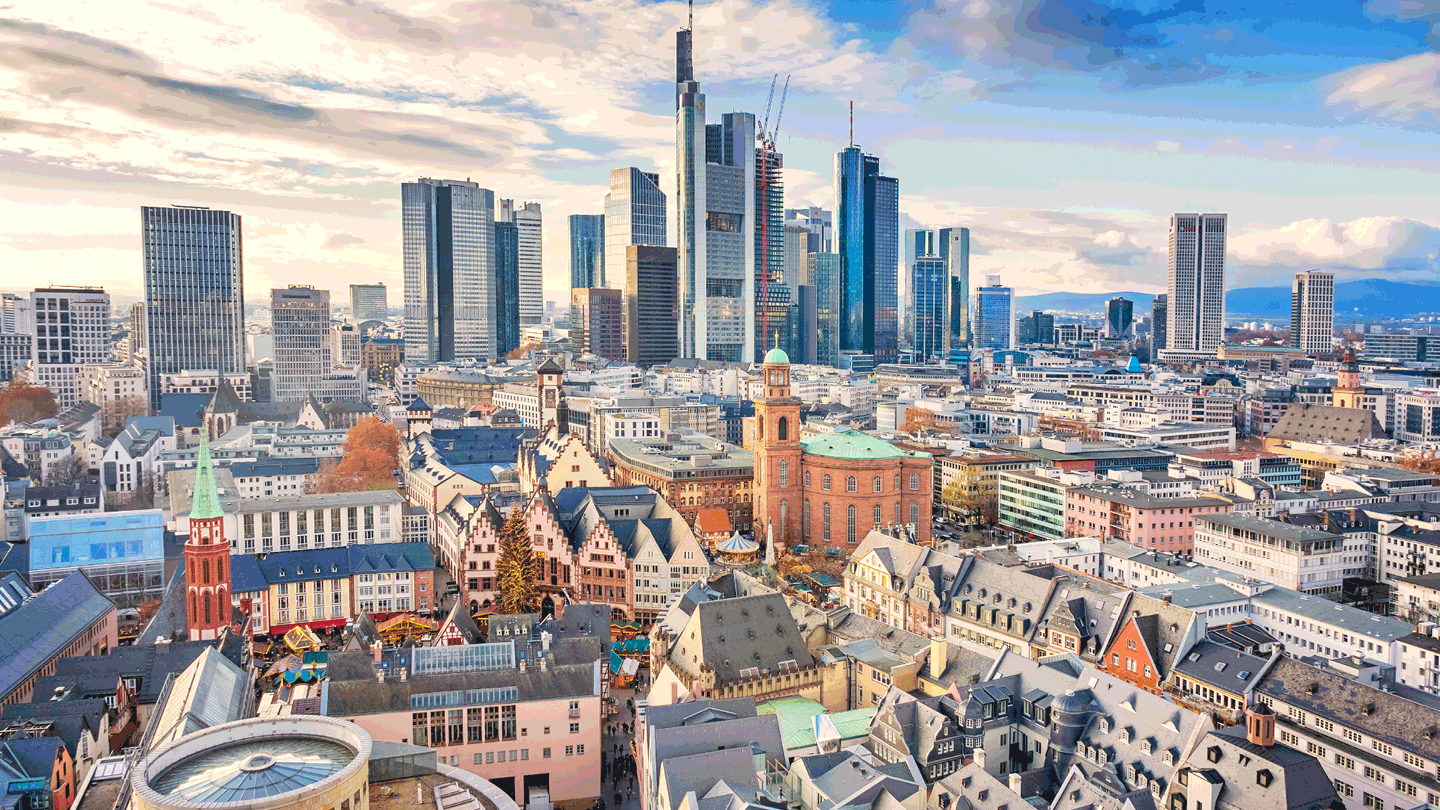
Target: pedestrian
[[617, 798]]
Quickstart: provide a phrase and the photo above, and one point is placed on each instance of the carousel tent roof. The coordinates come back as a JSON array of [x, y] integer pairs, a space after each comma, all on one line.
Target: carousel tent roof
[[735, 544]]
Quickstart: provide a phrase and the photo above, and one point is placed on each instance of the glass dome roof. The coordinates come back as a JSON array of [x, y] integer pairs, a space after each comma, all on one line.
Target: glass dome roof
[[253, 770]]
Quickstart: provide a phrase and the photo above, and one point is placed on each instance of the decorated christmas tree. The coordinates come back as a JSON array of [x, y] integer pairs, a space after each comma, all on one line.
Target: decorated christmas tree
[[517, 571]]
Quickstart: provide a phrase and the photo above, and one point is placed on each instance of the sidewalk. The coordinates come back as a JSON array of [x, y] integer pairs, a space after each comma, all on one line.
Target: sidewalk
[[623, 715]]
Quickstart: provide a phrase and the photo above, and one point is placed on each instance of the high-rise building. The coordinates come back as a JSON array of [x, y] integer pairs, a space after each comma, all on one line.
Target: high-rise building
[[449, 253], [72, 329], [532, 278], [634, 215], [825, 271], [17, 315], [595, 323], [954, 244], [1159, 323], [587, 251], [918, 242], [929, 290], [1197, 283], [804, 325], [868, 241], [369, 302], [651, 307], [344, 344], [194, 292], [690, 197], [819, 223], [137, 329], [507, 288], [1119, 315], [300, 324], [773, 302], [1036, 328], [797, 253], [1312, 312], [994, 322]]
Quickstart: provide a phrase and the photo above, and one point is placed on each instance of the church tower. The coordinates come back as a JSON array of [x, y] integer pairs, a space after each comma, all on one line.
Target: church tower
[[778, 453], [207, 555], [552, 397], [1348, 392]]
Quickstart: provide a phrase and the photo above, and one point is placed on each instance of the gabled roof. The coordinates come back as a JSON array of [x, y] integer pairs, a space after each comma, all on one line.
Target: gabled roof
[[463, 623], [1326, 423], [35, 631], [224, 400]]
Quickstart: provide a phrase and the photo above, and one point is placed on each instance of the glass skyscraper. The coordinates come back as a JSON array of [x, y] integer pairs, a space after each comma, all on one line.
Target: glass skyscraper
[[368, 302], [868, 241], [1197, 283], [507, 286], [194, 292], [634, 215], [825, 271], [450, 278], [994, 320], [929, 288], [1119, 315], [300, 326], [954, 244], [587, 251]]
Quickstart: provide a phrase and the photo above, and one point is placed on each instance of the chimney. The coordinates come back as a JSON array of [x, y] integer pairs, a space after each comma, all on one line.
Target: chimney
[[162, 645], [1260, 725], [402, 674], [1016, 783], [1166, 597], [980, 758], [378, 649], [937, 656]]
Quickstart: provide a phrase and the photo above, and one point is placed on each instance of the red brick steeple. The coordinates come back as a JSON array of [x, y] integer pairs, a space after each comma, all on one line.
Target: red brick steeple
[[207, 555]]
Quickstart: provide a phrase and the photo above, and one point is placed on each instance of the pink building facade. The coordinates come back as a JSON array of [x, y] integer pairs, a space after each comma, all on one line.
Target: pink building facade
[[1158, 523]]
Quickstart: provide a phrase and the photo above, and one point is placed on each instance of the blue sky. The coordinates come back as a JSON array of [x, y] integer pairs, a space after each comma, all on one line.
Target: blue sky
[[1062, 133]]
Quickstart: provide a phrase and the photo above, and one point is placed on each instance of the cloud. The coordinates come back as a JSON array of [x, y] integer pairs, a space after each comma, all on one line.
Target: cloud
[[1427, 11], [339, 240], [1405, 91], [1361, 248]]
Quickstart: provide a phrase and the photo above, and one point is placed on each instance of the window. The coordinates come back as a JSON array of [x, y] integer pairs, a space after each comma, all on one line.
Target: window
[[851, 485], [825, 482], [544, 753], [825, 521], [877, 486], [807, 479], [850, 522], [784, 470], [569, 750], [914, 482], [915, 513], [782, 429], [878, 514]]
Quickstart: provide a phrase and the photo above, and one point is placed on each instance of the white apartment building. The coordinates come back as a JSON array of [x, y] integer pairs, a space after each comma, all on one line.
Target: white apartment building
[[1312, 312], [72, 329], [105, 383], [1189, 434], [204, 381], [1298, 557], [300, 522], [345, 344]]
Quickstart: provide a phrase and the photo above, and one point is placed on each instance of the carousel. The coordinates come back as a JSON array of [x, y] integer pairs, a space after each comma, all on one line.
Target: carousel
[[737, 550]]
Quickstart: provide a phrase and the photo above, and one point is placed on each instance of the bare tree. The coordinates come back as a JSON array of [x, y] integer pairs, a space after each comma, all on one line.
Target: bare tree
[[68, 471]]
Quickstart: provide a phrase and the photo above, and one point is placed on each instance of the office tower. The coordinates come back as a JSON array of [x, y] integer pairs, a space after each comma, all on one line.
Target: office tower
[[797, 253], [929, 289], [867, 239], [449, 253], [595, 323], [194, 292], [532, 280], [137, 329], [587, 251], [634, 215], [690, 198], [1312, 312], [1197, 283], [300, 324], [994, 324], [1119, 315], [344, 344], [804, 327], [1159, 323], [773, 303], [17, 315], [507, 288], [819, 223], [918, 242], [954, 247], [1036, 328], [825, 270], [652, 306], [368, 302], [72, 328]]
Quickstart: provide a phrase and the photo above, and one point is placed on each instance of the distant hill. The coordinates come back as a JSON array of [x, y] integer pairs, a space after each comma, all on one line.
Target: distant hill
[[1373, 298]]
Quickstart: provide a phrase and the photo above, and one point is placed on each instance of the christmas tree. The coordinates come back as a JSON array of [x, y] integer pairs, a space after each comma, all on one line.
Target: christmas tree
[[517, 572]]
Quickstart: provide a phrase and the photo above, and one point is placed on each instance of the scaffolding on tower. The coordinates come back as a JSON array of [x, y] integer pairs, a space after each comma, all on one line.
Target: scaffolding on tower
[[768, 180]]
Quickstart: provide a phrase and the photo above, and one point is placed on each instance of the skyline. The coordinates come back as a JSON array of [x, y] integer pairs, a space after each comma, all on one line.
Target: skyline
[[1064, 160]]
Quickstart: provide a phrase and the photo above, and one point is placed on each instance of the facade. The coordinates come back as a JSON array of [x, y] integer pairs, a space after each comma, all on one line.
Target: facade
[[282, 523], [1159, 323], [16, 349], [994, 324], [1402, 348], [369, 302], [1032, 502], [531, 281], [207, 556], [507, 287], [1196, 303], [123, 553], [1312, 312], [634, 215], [1037, 327], [929, 294], [587, 251], [194, 292], [345, 344], [109, 383], [692, 471], [825, 271], [325, 588], [380, 357], [1119, 317], [651, 305], [1133, 516], [68, 619], [449, 261], [204, 381], [72, 329], [596, 322], [1418, 416], [867, 239], [300, 324], [1301, 558]]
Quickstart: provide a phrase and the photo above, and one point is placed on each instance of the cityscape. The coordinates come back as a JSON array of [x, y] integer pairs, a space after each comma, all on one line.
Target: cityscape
[[992, 408]]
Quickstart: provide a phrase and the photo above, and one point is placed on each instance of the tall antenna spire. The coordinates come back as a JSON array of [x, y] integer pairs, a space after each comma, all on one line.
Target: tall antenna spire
[[852, 123], [690, 26]]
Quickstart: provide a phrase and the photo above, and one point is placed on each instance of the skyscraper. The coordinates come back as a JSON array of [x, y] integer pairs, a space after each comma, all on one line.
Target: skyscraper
[[690, 198], [1159, 323], [300, 325], [651, 305], [929, 290], [994, 321], [1197, 283], [773, 297], [1119, 315], [918, 242], [369, 302], [532, 279], [825, 271], [867, 239], [819, 223], [954, 246], [72, 328], [1038, 327], [587, 251], [595, 326], [449, 253], [634, 215], [1312, 312], [507, 288], [194, 292]]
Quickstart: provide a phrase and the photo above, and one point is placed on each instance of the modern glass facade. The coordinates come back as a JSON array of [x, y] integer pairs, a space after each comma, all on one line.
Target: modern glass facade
[[868, 242], [300, 326], [954, 244], [1197, 282], [634, 215], [1159, 323], [651, 307], [194, 291], [587, 251], [929, 287], [825, 270], [123, 553], [1119, 315], [369, 302], [507, 286], [690, 199], [527, 221], [449, 257], [773, 297], [994, 322]]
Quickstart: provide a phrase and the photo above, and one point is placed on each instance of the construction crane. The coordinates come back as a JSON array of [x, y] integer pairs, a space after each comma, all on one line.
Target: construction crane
[[767, 138]]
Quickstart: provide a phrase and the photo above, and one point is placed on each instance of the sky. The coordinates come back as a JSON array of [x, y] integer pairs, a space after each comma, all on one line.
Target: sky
[[1062, 133]]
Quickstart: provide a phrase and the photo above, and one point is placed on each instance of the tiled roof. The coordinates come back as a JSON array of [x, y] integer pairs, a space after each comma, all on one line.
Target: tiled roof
[[39, 628], [854, 445], [250, 573]]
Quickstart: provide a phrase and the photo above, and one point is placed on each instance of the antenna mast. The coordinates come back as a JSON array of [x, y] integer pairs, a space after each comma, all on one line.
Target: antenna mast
[[690, 26], [852, 123]]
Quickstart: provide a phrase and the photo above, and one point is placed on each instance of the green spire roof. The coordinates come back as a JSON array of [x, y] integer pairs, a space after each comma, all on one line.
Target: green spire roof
[[205, 500]]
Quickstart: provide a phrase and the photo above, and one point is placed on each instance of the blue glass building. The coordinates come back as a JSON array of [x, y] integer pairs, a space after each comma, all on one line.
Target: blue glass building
[[994, 321], [929, 288], [507, 286], [123, 553], [587, 251], [868, 242]]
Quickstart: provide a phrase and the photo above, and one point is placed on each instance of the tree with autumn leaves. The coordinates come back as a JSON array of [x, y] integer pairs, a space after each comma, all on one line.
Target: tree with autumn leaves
[[370, 459], [22, 402], [517, 571]]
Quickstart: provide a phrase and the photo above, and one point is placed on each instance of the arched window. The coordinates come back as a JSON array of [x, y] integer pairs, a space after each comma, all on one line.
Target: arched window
[[784, 512], [879, 516], [914, 482], [784, 473], [194, 612], [825, 522], [206, 569], [825, 482], [206, 602], [805, 519], [850, 484], [760, 426], [897, 511], [915, 513], [897, 482], [850, 524], [782, 429], [807, 479]]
